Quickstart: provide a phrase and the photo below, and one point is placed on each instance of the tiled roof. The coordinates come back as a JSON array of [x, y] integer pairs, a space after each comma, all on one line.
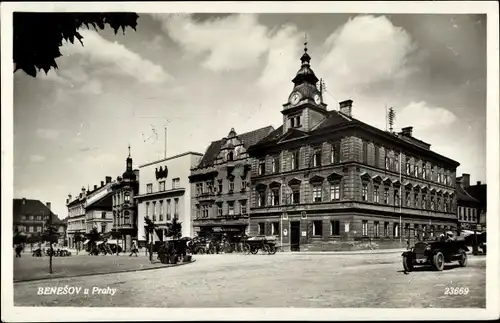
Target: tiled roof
[[462, 195], [333, 119], [479, 192], [248, 138], [32, 207]]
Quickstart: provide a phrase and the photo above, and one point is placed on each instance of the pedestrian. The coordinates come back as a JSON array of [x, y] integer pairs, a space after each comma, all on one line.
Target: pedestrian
[[19, 248], [134, 249]]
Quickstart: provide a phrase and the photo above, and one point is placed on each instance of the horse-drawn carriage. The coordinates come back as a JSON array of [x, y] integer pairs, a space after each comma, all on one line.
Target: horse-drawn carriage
[[171, 251], [266, 244]]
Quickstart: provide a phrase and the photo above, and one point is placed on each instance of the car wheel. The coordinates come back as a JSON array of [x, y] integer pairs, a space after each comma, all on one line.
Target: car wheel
[[407, 264], [463, 260], [254, 250], [438, 261]]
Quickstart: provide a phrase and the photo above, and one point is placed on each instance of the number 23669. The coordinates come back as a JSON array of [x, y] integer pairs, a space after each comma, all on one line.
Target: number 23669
[[456, 291]]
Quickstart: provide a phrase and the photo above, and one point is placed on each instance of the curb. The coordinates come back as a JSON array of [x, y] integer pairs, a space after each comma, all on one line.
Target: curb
[[342, 253], [105, 273]]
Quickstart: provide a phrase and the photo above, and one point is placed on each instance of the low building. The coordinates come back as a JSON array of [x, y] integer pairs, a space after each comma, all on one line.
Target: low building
[[125, 189], [325, 180], [220, 193], [479, 192], [165, 194], [31, 217]]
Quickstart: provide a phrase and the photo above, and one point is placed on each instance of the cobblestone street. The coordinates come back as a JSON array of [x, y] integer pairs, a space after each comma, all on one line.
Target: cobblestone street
[[282, 280]]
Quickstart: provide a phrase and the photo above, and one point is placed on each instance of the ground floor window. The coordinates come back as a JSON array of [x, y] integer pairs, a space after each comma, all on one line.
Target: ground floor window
[[365, 228], [275, 228], [376, 229], [262, 228], [395, 230], [317, 228], [386, 229]]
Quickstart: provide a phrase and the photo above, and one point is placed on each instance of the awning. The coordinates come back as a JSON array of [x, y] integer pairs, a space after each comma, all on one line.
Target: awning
[[86, 241]]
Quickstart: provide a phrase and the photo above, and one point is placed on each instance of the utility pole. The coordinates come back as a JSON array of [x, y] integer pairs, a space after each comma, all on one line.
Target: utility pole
[[50, 241]]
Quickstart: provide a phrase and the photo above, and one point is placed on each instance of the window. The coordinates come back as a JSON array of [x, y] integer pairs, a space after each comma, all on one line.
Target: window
[[219, 209], [175, 183], [407, 229], [243, 207], [295, 159], [396, 197], [210, 186], [416, 171], [230, 156], [275, 228], [147, 209], [276, 164], [103, 215], [424, 170], [376, 228], [424, 201], [162, 186], [205, 211], [262, 167], [103, 227], [38, 228], [433, 204], [127, 197], [375, 194], [199, 188], [335, 228], [396, 162], [161, 210], [364, 229], [408, 167], [295, 121], [38, 218], [335, 191], [317, 157], [262, 198], [386, 196], [23, 217], [317, 192], [169, 211], [275, 199], [198, 211], [262, 228], [317, 228], [149, 188], [243, 185], [231, 185], [415, 200], [364, 192], [395, 230], [445, 205], [220, 186], [387, 163], [231, 208], [176, 208], [154, 211], [365, 152], [386, 229], [296, 196]]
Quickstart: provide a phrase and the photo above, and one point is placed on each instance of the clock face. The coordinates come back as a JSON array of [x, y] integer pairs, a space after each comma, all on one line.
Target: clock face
[[295, 98], [317, 99]]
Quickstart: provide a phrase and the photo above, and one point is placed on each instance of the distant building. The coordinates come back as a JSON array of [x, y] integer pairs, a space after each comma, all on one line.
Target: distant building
[[31, 216], [479, 192], [165, 193], [468, 208], [220, 184], [325, 180], [90, 209], [125, 189]]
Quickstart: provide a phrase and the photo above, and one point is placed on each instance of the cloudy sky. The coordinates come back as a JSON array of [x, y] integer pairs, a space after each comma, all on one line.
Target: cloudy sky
[[203, 74]]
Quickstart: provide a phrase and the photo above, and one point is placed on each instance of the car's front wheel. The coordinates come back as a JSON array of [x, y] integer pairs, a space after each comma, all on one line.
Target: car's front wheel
[[407, 264], [438, 261], [463, 258]]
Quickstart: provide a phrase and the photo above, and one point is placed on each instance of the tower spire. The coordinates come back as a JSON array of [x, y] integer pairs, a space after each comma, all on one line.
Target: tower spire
[[306, 59], [129, 151]]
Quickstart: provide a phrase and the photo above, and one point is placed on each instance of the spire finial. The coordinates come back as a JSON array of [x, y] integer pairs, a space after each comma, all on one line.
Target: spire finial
[[305, 42], [129, 150]]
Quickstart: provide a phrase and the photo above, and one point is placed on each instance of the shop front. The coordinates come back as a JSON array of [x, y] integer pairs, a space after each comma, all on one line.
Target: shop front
[[215, 232]]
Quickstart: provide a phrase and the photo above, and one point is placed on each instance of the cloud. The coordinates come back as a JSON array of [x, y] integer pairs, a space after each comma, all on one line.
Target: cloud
[[50, 134], [37, 158], [234, 42], [421, 116], [367, 50]]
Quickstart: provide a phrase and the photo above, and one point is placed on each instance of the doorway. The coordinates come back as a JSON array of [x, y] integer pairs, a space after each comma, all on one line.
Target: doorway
[[295, 236]]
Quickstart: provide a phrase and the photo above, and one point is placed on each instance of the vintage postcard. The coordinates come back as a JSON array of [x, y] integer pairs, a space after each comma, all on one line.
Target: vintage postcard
[[250, 161]]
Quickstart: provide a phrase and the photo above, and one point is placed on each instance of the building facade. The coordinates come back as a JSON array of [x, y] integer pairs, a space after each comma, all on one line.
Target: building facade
[[326, 181], [471, 212], [90, 209], [220, 185], [165, 193], [31, 216], [125, 206]]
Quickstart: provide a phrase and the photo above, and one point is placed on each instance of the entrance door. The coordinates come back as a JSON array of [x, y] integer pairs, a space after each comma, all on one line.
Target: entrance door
[[295, 236]]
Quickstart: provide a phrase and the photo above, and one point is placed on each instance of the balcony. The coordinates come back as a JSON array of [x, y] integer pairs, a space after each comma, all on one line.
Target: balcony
[[204, 196]]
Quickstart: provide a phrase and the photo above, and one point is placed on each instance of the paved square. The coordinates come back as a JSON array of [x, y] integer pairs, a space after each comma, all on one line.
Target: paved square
[[282, 280]]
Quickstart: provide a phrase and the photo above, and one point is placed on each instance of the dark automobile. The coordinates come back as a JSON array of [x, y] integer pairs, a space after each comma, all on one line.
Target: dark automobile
[[435, 254]]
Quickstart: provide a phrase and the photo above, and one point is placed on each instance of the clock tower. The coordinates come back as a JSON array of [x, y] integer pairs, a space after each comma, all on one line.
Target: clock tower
[[305, 107]]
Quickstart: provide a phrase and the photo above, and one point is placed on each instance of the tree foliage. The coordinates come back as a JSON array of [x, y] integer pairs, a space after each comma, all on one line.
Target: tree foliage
[[174, 229], [50, 233], [38, 36], [20, 238]]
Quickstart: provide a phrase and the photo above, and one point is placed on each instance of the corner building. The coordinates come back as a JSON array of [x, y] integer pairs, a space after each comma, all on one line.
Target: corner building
[[220, 185], [326, 181]]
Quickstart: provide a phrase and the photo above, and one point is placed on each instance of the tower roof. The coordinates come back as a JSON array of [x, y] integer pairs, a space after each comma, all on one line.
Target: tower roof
[[305, 73]]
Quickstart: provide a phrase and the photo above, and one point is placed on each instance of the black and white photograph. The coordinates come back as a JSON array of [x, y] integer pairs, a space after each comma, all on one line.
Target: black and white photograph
[[257, 161]]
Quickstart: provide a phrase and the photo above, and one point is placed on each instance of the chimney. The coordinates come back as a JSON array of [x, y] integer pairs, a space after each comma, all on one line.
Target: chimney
[[346, 107], [478, 183], [95, 187], [465, 180], [108, 179], [81, 195], [48, 205], [102, 183], [407, 131]]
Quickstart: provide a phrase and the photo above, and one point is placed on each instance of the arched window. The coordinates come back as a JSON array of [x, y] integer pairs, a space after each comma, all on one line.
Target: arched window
[[230, 156]]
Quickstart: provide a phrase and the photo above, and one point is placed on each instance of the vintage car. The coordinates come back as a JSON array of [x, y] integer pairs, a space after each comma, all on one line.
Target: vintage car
[[436, 254]]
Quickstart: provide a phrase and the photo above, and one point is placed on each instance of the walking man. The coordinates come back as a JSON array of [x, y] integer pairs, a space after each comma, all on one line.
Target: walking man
[[134, 249]]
